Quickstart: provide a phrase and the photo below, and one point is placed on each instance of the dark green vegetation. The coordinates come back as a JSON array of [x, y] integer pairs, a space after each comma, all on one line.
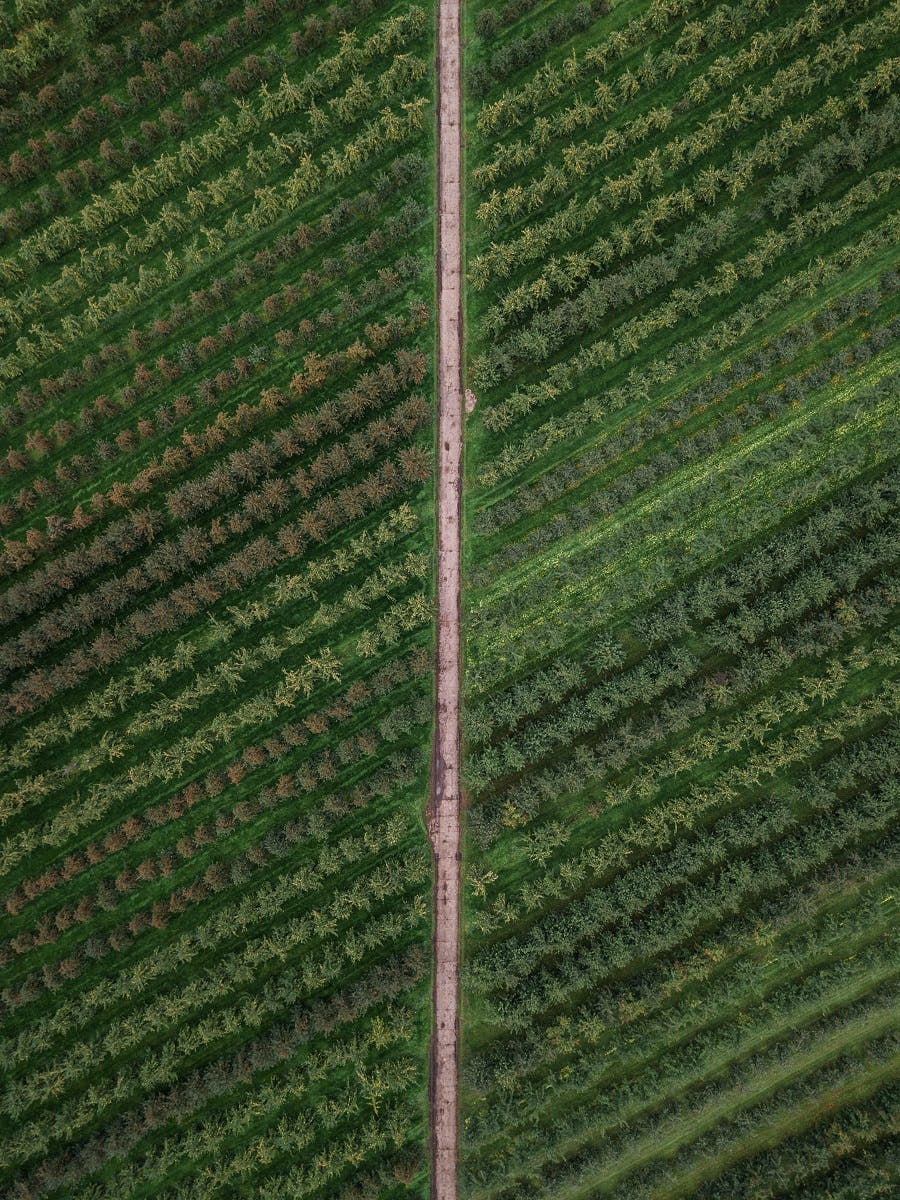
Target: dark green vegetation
[[216, 369], [216, 506], [681, 960]]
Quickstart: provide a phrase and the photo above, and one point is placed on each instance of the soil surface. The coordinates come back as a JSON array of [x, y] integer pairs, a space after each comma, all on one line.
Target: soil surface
[[444, 806]]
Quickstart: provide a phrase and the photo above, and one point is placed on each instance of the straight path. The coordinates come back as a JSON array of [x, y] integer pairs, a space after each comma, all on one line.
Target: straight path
[[444, 806]]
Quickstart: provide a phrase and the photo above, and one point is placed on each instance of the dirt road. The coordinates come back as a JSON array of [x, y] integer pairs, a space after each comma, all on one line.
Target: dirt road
[[444, 807]]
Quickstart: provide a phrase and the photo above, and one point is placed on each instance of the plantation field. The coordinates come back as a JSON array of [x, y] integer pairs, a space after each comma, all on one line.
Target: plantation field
[[216, 366], [230, 406], [680, 737]]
